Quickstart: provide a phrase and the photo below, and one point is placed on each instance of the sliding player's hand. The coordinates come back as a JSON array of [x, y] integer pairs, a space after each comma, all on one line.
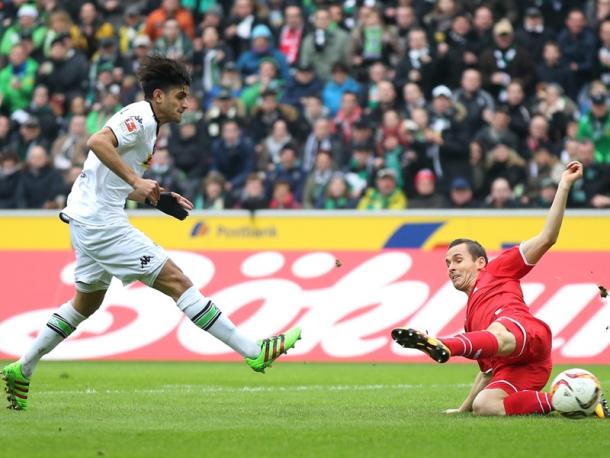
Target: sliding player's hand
[[452, 411], [572, 173]]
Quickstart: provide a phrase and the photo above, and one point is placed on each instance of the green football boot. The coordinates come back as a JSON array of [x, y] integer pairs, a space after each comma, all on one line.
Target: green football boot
[[17, 386], [273, 347]]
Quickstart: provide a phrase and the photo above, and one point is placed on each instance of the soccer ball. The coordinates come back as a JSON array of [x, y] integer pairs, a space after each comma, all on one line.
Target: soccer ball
[[575, 393]]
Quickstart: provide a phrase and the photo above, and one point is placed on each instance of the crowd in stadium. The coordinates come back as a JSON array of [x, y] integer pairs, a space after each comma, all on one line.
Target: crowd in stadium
[[314, 104]]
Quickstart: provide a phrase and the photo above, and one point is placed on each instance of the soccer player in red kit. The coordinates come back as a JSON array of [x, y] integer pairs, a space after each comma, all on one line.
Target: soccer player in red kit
[[512, 347]]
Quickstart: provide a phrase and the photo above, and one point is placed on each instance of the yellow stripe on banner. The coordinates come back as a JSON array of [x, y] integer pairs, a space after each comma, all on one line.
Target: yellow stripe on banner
[[350, 230]]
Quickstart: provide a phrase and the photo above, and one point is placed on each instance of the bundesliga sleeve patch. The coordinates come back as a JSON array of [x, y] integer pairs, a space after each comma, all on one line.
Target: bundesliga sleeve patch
[[131, 124]]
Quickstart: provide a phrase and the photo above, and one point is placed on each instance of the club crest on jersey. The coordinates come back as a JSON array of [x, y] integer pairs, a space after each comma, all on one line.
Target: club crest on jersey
[[147, 162]]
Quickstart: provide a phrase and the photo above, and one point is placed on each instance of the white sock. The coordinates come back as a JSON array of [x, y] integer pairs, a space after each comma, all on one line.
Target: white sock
[[61, 324], [204, 313]]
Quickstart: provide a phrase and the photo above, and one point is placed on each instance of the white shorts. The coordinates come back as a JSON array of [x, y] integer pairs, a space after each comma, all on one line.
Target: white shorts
[[121, 251]]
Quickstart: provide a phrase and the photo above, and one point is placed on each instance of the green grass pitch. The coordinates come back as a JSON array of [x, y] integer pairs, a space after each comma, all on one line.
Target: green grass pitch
[[120, 409]]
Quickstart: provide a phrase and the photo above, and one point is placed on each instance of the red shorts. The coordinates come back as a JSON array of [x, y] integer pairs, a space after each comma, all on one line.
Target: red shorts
[[530, 365]]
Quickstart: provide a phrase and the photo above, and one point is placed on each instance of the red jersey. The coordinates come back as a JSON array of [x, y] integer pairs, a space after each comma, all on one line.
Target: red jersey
[[497, 290]]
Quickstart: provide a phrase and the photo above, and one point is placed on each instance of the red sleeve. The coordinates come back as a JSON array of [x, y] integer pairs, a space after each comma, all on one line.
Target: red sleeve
[[509, 263]]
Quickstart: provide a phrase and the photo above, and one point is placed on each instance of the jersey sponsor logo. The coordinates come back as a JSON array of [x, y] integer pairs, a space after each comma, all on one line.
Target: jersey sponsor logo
[[346, 313]]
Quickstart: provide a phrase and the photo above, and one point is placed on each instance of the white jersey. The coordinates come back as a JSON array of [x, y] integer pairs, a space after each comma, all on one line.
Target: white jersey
[[98, 195]]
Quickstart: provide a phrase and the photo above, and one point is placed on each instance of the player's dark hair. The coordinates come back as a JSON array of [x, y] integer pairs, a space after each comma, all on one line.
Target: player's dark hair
[[475, 249], [157, 72]]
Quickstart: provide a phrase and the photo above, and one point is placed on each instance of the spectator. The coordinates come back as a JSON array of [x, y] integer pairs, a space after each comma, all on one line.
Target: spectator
[[386, 101], [426, 195], [517, 110], [272, 146], [457, 52], [230, 82], [162, 170], [28, 137], [504, 162], [304, 83], [17, 80], [292, 34], [544, 165], [334, 89], [461, 195], [371, 40], [558, 110], [504, 62], [533, 34], [25, 26], [267, 112], [318, 178], [479, 103], [498, 131], [483, 23], [324, 47], [253, 195], [60, 25], [268, 78], [405, 20], [321, 138], [595, 125], [174, 42], [93, 28], [538, 136], [224, 108], [102, 112], [10, 176], [212, 57], [360, 172], [39, 107], [283, 199], [346, 117], [240, 24], [65, 71], [413, 98], [233, 156], [448, 137], [287, 169], [262, 48], [501, 195], [369, 91], [5, 133], [40, 185], [71, 149], [141, 48], [169, 9], [419, 64], [578, 44], [386, 195], [553, 69], [602, 63], [589, 191], [130, 29], [189, 148], [337, 195], [547, 189], [107, 56], [212, 195]]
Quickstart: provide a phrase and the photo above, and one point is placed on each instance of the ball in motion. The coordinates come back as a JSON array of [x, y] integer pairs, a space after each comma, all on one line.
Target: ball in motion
[[575, 393]]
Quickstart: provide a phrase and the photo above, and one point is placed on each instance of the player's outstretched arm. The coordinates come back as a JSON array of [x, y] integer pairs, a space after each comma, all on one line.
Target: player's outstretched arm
[[104, 146], [480, 382], [534, 248]]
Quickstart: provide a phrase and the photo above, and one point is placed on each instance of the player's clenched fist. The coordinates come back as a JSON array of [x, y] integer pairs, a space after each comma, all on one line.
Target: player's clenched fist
[[146, 191], [572, 173]]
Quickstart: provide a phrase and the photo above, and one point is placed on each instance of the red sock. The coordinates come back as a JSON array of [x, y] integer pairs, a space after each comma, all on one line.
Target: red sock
[[473, 345], [528, 402]]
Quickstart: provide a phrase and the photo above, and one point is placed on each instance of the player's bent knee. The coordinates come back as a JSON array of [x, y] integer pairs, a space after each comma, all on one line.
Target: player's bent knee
[[488, 408]]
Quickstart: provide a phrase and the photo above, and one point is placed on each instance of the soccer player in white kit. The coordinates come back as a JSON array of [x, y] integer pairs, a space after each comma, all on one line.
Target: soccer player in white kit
[[107, 245]]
